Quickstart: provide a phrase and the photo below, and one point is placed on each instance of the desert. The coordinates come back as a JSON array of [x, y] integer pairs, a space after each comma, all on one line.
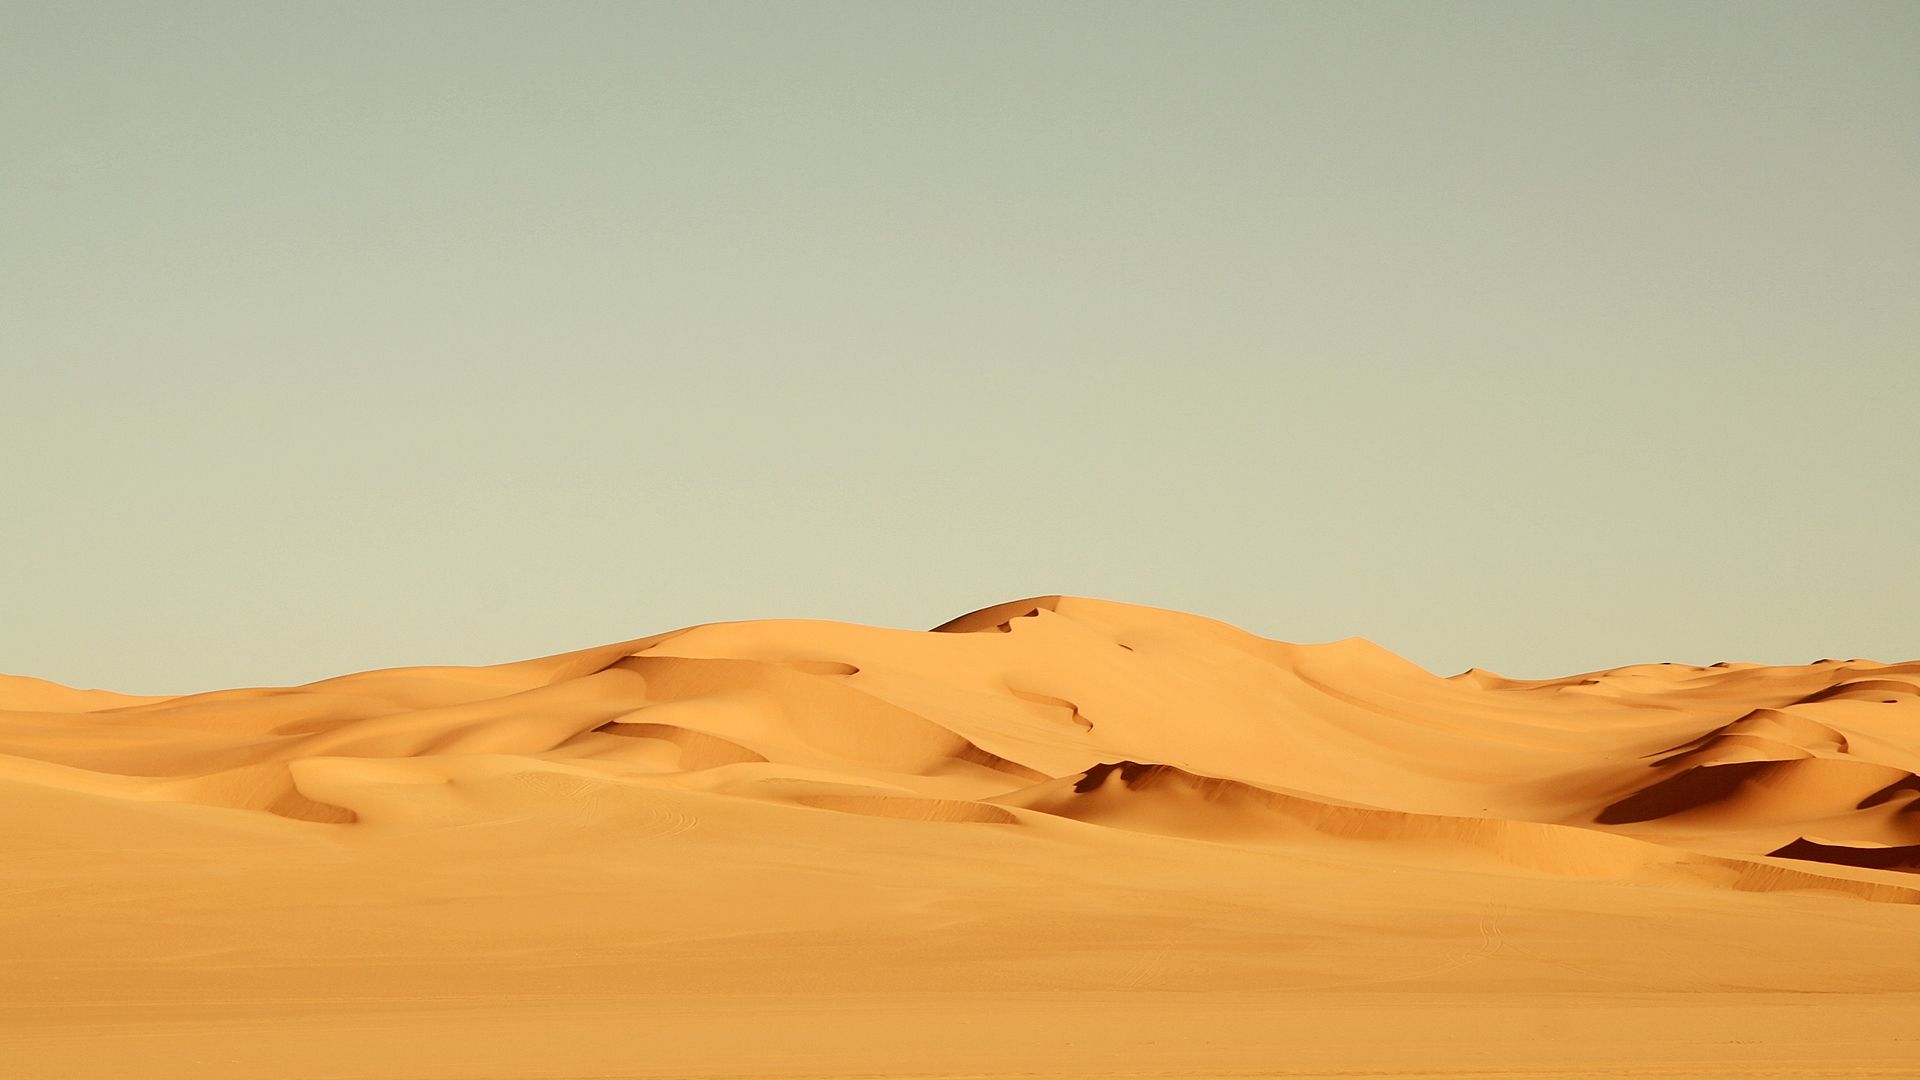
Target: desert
[[1058, 836], [848, 540]]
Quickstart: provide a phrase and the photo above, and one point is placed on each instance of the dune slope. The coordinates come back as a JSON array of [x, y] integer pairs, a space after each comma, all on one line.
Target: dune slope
[[1051, 794]]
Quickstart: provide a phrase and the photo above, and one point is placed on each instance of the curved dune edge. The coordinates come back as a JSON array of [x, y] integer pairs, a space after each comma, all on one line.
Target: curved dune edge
[[1903, 857], [999, 617], [1166, 800], [1668, 775], [907, 808]]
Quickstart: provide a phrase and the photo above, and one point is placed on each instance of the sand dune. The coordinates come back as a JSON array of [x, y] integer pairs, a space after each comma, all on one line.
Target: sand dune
[[1050, 794]]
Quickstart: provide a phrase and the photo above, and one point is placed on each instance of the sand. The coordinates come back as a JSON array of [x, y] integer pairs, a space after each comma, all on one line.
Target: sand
[[1058, 837]]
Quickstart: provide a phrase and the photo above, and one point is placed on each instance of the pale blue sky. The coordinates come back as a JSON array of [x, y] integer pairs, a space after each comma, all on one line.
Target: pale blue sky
[[1536, 336]]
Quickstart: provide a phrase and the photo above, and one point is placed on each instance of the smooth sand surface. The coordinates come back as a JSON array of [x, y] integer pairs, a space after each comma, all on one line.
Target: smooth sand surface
[[1058, 837]]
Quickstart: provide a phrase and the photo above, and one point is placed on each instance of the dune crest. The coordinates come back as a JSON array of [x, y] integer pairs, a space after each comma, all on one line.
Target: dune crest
[[990, 705], [1049, 792]]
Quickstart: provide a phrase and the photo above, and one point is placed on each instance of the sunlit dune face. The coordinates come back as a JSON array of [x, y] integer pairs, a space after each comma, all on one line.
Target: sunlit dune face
[[1047, 794]]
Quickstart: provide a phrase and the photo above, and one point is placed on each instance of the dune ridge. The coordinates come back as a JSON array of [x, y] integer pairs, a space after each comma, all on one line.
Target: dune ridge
[[982, 800], [855, 703]]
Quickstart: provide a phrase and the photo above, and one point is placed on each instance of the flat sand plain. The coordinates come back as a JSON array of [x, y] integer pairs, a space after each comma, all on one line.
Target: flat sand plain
[[1057, 837]]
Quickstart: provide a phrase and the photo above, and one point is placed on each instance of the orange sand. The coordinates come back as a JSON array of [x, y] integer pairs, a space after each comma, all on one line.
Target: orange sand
[[1058, 837]]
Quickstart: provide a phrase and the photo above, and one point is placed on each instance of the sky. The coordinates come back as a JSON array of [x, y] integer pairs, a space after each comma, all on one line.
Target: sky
[[1540, 337]]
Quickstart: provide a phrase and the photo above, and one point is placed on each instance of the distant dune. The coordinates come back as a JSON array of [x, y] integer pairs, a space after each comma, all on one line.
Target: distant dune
[[1054, 793]]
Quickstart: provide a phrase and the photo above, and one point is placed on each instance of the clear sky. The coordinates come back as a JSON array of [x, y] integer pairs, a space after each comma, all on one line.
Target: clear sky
[[1543, 337]]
